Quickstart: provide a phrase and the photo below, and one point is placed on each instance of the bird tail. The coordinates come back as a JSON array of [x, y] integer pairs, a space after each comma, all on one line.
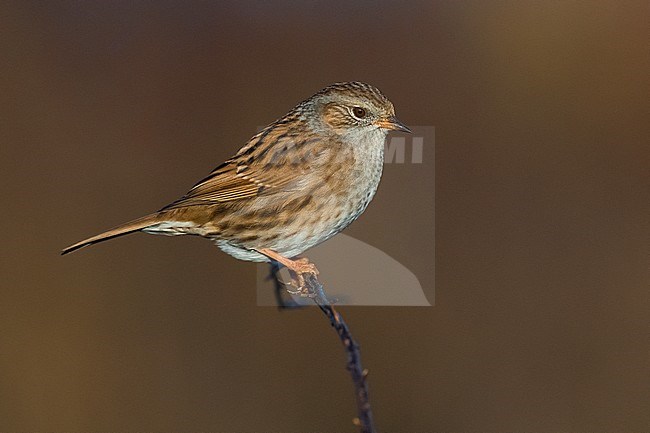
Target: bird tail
[[130, 227]]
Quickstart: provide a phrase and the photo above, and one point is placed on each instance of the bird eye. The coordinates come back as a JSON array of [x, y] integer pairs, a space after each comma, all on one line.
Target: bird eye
[[358, 112]]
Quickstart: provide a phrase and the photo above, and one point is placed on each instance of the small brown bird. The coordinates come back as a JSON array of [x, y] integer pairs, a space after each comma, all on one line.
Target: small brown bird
[[295, 184]]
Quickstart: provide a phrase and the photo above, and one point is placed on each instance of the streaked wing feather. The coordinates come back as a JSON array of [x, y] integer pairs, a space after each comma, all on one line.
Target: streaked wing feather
[[226, 184], [260, 167]]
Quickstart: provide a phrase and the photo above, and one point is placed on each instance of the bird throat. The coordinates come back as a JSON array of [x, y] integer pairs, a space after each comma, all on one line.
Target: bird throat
[[369, 163]]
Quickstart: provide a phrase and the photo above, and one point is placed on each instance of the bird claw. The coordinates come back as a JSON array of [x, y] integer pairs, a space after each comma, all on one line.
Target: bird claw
[[294, 289], [303, 292], [298, 269], [297, 287]]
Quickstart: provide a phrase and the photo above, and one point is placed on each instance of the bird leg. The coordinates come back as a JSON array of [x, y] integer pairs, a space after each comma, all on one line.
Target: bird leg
[[297, 268]]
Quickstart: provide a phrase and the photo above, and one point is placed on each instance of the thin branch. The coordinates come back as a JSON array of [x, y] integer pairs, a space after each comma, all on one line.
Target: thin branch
[[358, 373], [315, 291]]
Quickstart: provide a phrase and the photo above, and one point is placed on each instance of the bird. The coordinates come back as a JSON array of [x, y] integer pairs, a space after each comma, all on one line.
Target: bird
[[299, 181]]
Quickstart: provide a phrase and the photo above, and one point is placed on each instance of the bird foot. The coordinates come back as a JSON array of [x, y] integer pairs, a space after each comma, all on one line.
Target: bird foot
[[298, 268], [295, 288], [303, 266]]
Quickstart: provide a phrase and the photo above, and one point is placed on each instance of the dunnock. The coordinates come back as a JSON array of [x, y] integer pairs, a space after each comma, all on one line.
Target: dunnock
[[295, 184]]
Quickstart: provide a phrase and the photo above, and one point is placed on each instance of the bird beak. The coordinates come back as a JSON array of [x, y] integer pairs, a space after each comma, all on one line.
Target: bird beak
[[393, 124]]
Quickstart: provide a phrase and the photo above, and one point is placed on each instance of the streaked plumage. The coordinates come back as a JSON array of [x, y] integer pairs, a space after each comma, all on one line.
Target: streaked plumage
[[296, 183]]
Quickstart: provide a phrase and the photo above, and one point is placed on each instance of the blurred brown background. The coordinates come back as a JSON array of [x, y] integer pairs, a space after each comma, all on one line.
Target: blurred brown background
[[112, 109]]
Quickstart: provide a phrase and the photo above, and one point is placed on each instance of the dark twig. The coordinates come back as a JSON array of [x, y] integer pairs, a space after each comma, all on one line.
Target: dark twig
[[358, 373], [316, 292], [282, 298]]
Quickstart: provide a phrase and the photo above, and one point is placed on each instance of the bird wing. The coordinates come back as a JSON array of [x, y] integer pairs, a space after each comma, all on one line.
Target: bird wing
[[231, 181], [261, 167], [276, 159]]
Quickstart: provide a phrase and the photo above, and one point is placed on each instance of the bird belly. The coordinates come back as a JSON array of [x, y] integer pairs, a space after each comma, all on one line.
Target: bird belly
[[241, 253], [290, 233]]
